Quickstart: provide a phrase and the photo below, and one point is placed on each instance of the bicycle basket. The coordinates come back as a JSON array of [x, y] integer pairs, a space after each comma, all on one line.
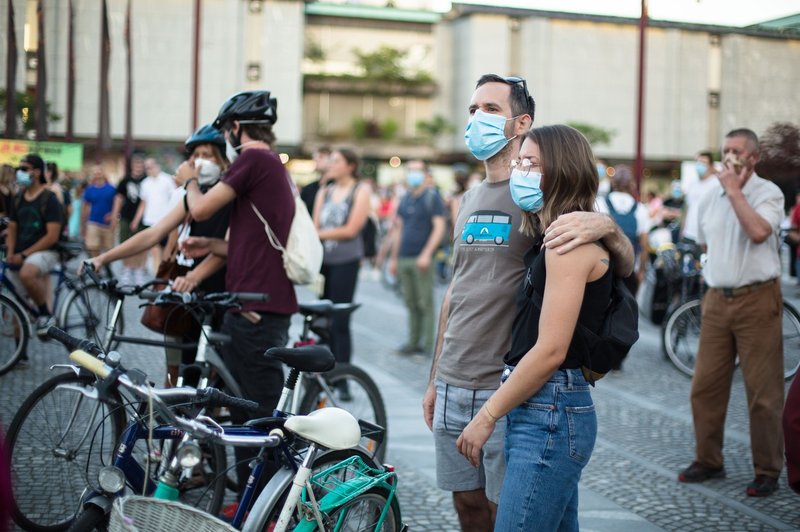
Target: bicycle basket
[[135, 513], [343, 482]]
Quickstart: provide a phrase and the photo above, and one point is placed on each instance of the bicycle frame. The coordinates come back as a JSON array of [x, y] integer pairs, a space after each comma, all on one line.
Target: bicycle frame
[[59, 273]]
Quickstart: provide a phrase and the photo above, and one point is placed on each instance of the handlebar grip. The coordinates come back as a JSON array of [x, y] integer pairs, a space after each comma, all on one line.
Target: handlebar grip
[[87, 361], [72, 343], [88, 268], [213, 397], [251, 296]]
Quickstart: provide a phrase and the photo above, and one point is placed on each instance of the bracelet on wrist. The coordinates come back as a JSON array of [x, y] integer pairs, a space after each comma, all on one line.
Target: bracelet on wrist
[[489, 413], [186, 183]]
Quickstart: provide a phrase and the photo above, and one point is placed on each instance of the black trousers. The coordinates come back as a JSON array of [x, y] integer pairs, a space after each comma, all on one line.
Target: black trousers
[[340, 286], [261, 379]]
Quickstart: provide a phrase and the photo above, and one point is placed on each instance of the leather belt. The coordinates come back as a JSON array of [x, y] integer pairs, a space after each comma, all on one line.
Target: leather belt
[[741, 290]]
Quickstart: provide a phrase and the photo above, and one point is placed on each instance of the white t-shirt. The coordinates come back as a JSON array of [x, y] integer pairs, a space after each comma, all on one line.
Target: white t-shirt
[[156, 192], [623, 203], [693, 196]]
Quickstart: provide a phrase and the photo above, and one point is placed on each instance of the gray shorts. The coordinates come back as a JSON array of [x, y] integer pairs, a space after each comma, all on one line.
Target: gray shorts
[[45, 261], [455, 408]]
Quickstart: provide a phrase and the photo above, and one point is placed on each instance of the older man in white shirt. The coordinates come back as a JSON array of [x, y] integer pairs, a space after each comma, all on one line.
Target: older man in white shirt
[[742, 313]]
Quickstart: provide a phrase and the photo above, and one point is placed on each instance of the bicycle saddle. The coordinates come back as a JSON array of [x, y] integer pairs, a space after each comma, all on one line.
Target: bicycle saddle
[[314, 358], [332, 428], [321, 307]]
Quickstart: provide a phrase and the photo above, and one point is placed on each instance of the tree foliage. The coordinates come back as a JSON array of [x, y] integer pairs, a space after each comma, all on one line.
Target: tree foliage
[[26, 111], [594, 134]]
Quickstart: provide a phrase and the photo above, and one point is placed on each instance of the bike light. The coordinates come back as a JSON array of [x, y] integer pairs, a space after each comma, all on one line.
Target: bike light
[[189, 455], [111, 479]]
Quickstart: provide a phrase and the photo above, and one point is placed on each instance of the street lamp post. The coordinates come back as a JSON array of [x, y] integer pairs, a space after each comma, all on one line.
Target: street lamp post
[[639, 164]]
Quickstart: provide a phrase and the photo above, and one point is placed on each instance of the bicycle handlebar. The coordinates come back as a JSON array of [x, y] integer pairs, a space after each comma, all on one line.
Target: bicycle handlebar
[[205, 396], [73, 343]]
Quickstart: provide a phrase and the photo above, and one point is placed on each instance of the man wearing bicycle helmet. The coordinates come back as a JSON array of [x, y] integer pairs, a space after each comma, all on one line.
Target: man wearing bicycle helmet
[[256, 179]]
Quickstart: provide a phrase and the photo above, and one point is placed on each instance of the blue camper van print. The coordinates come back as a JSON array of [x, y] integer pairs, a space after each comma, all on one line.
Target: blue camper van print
[[487, 226]]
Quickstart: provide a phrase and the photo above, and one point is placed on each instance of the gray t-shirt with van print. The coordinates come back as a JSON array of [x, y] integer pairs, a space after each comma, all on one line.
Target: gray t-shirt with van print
[[488, 268]]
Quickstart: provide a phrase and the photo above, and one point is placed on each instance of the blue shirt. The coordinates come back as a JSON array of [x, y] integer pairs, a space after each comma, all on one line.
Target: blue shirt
[[101, 201], [417, 214]]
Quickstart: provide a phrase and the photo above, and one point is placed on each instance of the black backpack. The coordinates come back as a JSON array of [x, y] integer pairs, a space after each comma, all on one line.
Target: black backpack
[[606, 349]]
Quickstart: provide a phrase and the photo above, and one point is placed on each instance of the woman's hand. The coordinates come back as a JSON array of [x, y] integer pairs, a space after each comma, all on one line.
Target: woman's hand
[[196, 246], [474, 437], [185, 172], [97, 263], [184, 283]]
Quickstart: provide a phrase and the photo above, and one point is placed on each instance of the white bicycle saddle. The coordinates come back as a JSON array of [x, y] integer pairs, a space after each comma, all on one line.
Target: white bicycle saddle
[[332, 428]]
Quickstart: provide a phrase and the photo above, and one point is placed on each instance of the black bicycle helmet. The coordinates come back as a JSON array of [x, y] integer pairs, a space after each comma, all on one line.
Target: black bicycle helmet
[[206, 134], [249, 105]]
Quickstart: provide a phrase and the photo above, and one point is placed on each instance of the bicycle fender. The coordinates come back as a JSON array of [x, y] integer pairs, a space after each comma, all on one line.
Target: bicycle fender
[[268, 499], [99, 500]]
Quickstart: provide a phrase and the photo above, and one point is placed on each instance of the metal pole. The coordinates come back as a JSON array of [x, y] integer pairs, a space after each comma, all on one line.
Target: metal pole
[[639, 165], [196, 65]]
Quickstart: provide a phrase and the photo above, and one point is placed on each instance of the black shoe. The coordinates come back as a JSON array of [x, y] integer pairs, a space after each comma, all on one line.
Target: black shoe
[[697, 472], [762, 486]]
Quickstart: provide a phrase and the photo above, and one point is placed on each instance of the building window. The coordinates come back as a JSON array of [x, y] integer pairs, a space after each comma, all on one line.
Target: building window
[[713, 100], [253, 72]]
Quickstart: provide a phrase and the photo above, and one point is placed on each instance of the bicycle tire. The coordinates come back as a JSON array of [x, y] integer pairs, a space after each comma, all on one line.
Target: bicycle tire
[[369, 505], [86, 313], [321, 462], [366, 402], [47, 501], [791, 340], [681, 336], [14, 333], [91, 518]]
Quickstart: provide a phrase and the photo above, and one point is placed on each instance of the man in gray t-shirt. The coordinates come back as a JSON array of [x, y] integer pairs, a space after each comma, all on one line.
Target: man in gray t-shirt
[[478, 309]]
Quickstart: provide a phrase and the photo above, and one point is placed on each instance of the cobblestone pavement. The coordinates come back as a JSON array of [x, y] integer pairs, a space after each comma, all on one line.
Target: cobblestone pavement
[[645, 434]]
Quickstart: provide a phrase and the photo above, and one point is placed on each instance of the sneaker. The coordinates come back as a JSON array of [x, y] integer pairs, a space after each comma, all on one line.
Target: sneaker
[[762, 486], [126, 277], [406, 349], [43, 323], [140, 276], [697, 472]]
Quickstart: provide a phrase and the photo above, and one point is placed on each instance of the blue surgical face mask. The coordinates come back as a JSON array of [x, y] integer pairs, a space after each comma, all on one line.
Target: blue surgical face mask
[[23, 178], [414, 178], [526, 190], [485, 135], [601, 170], [701, 168]]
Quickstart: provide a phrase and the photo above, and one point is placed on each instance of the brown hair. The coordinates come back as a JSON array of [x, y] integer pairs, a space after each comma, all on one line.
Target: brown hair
[[569, 176], [352, 159]]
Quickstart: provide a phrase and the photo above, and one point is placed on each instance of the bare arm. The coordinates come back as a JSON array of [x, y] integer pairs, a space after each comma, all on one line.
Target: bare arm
[[203, 206], [429, 399], [434, 240], [137, 218], [144, 239], [576, 228]]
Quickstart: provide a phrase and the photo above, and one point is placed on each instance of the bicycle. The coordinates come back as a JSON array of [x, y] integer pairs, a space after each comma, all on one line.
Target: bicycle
[[17, 311], [113, 479], [358, 393], [681, 337]]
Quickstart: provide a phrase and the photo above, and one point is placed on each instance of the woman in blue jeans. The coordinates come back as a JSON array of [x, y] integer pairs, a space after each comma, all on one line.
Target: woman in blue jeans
[[551, 420]]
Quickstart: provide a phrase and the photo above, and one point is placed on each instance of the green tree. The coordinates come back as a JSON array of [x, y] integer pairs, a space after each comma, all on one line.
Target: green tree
[[434, 127], [594, 134], [383, 63]]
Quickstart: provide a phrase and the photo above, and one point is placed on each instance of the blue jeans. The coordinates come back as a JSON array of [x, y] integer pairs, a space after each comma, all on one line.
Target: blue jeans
[[549, 440]]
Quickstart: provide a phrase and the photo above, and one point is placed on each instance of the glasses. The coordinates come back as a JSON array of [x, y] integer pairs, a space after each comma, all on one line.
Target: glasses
[[24, 168], [514, 80], [524, 166]]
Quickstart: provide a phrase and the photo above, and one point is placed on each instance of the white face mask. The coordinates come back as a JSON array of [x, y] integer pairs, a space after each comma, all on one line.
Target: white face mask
[[230, 152], [208, 171]]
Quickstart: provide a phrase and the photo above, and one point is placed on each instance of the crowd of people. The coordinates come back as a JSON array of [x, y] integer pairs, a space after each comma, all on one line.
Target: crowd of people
[[508, 399]]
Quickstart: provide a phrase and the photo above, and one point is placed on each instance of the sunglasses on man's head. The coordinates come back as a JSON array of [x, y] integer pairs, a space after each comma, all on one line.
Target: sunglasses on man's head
[[514, 80]]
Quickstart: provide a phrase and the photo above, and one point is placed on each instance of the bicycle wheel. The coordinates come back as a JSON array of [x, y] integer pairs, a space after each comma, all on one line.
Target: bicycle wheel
[[14, 333], [87, 312], [364, 513], [57, 442], [791, 341], [681, 336], [321, 462], [351, 388]]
